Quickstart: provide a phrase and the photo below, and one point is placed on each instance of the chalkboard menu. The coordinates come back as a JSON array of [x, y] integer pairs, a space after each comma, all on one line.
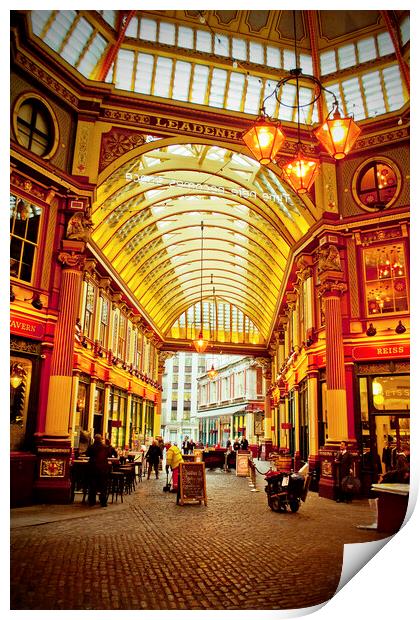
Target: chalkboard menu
[[192, 487], [242, 468]]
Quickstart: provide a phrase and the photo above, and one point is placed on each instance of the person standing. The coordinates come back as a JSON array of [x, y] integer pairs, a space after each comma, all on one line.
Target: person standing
[[344, 461], [153, 456], [244, 443], [236, 444], [173, 460], [99, 469]]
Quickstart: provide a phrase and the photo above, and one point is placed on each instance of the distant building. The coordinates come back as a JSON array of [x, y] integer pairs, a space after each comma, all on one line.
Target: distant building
[[232, 404], [179, 398]]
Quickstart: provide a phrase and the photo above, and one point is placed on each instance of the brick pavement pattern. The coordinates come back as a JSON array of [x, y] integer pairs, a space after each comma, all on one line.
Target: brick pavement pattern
[[148, 553]]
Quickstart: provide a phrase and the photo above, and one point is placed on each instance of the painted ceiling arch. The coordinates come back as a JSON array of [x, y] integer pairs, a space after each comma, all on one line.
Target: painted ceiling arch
[[147, 224]]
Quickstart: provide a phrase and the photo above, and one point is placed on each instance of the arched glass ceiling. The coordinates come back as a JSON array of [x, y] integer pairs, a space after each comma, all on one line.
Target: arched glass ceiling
[[147, 221], [194, 64]]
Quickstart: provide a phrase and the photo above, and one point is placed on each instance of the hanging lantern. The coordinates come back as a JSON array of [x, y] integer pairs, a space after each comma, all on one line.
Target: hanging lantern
[[200, 344], [212, 373], [338, 135], [264, 139], [300, 173]]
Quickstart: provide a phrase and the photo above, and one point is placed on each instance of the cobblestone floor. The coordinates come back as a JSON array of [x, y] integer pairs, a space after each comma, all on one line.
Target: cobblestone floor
[[149, 553]]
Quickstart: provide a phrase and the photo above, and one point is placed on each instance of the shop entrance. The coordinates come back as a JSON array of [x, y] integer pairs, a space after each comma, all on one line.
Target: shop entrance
[[392, 434]]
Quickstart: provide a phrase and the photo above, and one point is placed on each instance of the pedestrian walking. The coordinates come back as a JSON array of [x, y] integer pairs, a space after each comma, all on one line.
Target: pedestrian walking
[[343, 461], [153, 456], [173, 460]]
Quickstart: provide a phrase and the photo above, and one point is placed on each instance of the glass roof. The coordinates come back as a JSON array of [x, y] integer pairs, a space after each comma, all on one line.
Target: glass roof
[[196, 64], [147, 223]]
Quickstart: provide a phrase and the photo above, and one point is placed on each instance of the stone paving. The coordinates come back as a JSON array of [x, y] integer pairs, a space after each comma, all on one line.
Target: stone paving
[[148, 553]]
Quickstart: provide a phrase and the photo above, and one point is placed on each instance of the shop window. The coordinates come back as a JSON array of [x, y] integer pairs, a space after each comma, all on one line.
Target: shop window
[[385, 279], [391, 393], [376, 184], [121, 337], [104, 322], [24, 233], [35, 125], [20, 382], [89, 310]]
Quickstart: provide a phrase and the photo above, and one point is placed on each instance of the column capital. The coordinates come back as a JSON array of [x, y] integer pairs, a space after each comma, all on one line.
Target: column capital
[[334, 288], [72, 260]]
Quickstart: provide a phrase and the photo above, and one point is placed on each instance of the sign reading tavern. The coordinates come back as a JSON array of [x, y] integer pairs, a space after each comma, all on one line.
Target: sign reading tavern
[[26, 327]]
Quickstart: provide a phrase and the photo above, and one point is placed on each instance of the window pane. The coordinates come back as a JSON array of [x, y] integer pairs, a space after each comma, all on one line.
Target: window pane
[[289, 60], [77, 41], [236, 88], [239, 49], [144, 73], [204, 41], [366, 49], [393, 87], [39, 19], [148, 29], [373, 92], [253, 93], [221, 45], [306, 64], [167, 33], [59, 29], [346, 56], [217, 90], [256, 53], [181, 80], [92, 56], [124, 71], [162, 77], [404, 28], [185, 37], [273, 57], [353, 98], [132, 28], [328, 63], [385, 44]]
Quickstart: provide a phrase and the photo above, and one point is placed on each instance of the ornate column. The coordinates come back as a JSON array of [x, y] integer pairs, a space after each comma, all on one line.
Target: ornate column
[[267, 442], [332, 287], [53, 448], [312, 377]]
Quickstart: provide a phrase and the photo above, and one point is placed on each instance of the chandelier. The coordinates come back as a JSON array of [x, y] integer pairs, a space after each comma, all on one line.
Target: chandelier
[[265, 138], [212, 373], [200, 344]]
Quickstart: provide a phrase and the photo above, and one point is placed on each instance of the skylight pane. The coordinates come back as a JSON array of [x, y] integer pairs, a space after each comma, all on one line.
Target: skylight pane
[[289, 60], [132, 27], [256, 53], [373, 94], [393, 87], [273, 57], [204, 41], [270, 104], [77, 41], [167, 33], [109, 17], [92, 56], [288, 97], [305, 97], [328, 62], [162, 77], [148, 29], [366, 49], [385, 44], [217, 89], [185, 37], [235, 91], [353, 101], [306, 64], [143, 81], [181, 80], [124, 74], [405, 30], [110, 76], [199, 85], [221, 45], [39, 19], [239, 49], [59, 29], [346, 56], [253, 94]]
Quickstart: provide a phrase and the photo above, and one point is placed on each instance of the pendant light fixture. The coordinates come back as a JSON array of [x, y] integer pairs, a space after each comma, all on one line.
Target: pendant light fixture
[[200, 343], [265, 138], [212, 373]]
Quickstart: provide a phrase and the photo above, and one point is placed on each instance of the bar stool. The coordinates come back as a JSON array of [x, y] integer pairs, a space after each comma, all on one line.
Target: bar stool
[[116, 483]]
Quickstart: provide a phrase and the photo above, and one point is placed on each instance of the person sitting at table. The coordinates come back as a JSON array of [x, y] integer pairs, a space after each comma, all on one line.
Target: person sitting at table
[[99, 469], [112, 451], [153, 456]]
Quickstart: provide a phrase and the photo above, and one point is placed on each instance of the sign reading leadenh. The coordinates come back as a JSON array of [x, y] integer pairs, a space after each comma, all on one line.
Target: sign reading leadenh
[[192, 483]]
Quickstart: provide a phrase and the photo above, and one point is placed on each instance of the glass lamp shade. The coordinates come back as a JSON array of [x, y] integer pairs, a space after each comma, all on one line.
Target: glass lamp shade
[[264, 139], [200, 344], [338, 135], [212, 373], [300, 173]]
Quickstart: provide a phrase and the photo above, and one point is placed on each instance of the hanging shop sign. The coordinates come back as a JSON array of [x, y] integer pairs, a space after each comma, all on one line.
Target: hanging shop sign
[[30, 328], [376, 352]]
